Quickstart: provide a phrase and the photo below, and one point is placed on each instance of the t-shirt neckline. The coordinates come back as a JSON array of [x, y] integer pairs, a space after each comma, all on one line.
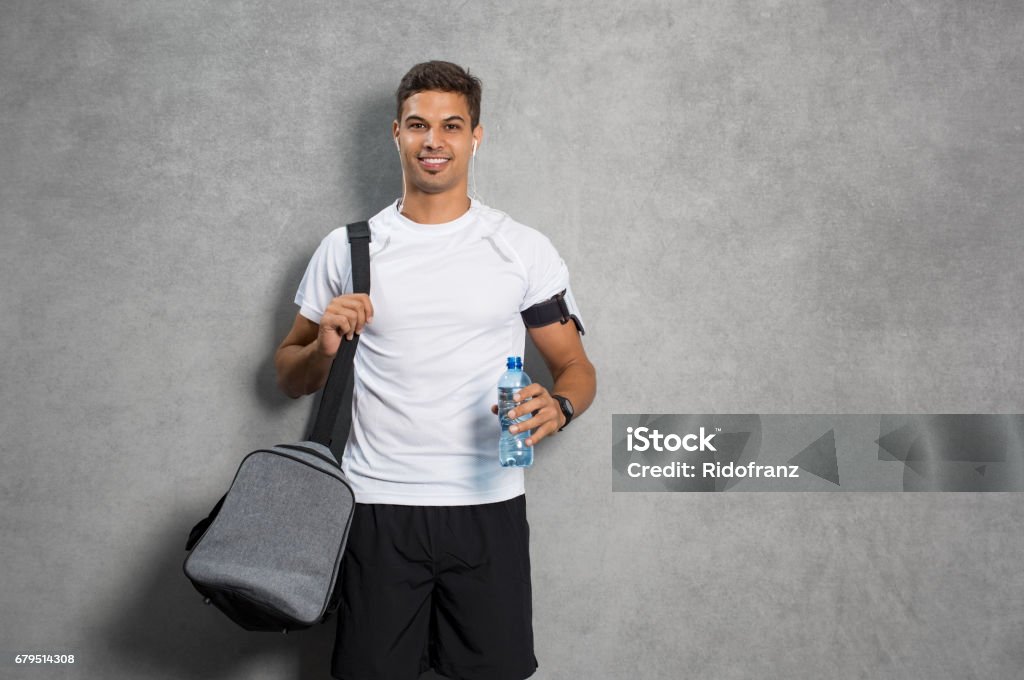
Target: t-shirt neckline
[[435, 229]]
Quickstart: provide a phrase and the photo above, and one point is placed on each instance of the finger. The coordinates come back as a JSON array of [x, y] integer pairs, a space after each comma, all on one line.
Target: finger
[[531, 391], [531, 406], [359, 301], [336, 322], [539, 420], [347, 324], [531, 425], [355, 310], [339, 323], [367, 306], [539, 434], [360, 316]]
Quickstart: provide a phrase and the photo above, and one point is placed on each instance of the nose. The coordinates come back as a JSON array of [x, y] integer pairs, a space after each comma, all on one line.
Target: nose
[[432, 139]]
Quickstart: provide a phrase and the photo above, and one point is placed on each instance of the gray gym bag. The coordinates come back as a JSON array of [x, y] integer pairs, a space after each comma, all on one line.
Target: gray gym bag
[[269, 554]]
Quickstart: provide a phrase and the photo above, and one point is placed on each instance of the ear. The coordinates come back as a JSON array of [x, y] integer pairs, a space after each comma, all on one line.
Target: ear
[[478, 135], [394, 129]]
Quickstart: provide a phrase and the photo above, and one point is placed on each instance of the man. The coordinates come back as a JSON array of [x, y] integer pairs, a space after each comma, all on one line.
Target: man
[[437, 569]]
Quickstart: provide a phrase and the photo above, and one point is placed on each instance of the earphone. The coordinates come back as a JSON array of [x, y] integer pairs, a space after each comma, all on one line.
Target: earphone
[[474, 147], [401, 204]]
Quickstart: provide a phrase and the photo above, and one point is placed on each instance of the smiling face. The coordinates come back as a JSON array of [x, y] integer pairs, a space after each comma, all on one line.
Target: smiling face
[[435, 138]]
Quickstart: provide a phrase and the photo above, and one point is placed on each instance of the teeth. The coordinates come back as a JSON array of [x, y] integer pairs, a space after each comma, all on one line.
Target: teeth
[[434, 160]]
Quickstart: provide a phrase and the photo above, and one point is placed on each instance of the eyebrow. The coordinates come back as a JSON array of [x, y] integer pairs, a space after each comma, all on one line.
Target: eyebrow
[[446, 120]]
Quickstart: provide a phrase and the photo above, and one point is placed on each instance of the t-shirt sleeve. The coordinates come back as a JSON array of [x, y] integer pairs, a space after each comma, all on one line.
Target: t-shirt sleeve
[[546, 273], [328, 275], [547, 276]]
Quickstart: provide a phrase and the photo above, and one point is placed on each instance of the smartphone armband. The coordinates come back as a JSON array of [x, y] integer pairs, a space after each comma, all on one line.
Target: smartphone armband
[[549, 311]]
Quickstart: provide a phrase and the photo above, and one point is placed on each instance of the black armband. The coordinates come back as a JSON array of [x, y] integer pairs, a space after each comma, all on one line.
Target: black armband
[[549, 311]]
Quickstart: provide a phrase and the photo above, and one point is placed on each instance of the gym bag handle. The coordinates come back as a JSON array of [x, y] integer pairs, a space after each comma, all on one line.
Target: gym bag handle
[[341, 367]]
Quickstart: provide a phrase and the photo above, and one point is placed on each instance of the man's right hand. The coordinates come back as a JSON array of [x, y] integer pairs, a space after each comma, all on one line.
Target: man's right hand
[[303, 359], [345, 316]]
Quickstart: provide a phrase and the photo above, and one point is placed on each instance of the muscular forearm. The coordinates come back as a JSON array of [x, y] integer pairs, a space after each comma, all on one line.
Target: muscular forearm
[[577, 382], [301, 369]]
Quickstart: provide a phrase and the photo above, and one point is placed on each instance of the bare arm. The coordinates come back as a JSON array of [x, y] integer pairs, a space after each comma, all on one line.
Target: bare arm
[[301, 368], [574, 375], [304, 357]]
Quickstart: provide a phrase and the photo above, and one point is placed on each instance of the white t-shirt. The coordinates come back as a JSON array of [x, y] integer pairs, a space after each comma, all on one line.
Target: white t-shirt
[[446, 301]]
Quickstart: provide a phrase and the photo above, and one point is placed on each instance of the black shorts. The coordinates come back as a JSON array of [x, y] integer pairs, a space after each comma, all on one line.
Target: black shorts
[[442, 587]]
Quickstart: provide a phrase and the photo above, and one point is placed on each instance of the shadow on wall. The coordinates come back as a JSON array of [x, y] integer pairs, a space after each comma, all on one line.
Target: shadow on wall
[[375, 179], [162, 628]]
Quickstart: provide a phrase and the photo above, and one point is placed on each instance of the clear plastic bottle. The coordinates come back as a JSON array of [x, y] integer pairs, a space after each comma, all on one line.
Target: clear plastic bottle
[[512, 448]]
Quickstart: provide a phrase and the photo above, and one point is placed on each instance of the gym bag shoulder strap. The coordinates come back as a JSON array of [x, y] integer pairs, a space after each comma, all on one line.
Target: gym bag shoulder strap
[[337, 379]]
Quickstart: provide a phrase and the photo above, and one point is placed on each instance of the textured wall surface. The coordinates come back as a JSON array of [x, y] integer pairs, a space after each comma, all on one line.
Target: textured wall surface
[[766, 207]]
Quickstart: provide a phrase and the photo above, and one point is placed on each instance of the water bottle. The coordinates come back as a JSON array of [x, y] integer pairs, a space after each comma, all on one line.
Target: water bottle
[[512, 448]]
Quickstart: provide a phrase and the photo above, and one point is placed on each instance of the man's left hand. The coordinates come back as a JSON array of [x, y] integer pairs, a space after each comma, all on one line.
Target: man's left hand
[[546, 417]]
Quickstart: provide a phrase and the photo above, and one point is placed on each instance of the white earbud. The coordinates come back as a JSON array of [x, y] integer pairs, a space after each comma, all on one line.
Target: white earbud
[[397, 146], [474, 147]]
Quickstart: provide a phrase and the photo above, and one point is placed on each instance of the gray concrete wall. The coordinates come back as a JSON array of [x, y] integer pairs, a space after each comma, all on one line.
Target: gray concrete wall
[[767, 207]]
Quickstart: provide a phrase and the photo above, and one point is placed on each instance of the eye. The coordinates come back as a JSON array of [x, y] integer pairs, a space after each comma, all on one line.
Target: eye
[[416, 125], [453, 126]]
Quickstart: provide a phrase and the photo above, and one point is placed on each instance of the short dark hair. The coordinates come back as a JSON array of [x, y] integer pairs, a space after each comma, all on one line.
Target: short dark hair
[[442, 76]]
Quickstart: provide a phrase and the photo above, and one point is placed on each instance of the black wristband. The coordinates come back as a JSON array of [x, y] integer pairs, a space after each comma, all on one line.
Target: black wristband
[[567, 409]]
